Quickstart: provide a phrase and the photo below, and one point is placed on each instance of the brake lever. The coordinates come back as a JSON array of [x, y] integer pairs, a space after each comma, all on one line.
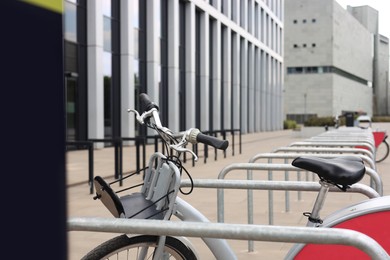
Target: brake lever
[[179, 147], [138, 117], [146, 114]]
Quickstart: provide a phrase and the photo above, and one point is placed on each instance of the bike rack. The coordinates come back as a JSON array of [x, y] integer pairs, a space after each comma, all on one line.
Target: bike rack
[[316, 143], [325, 150], [231, 231], [252, 232], [287, 156], [269, 167], [278, 167]]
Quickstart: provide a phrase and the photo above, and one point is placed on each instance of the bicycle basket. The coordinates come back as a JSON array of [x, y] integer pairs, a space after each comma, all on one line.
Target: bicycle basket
[[154, 201]]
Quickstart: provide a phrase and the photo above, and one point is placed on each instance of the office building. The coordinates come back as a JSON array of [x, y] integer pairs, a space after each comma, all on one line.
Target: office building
[[332, 60], [214, 65]]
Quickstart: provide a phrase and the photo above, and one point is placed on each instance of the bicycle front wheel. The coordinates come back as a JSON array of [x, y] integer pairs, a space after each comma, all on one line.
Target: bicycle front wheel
[[139, 247], [382, 151]]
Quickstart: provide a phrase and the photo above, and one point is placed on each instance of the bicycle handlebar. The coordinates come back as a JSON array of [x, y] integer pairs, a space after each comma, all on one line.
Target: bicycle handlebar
[[146, 103], [192, 135], [196, 136]]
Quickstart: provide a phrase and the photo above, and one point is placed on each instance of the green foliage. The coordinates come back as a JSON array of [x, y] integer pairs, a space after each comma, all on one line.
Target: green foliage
[[289, 124], [320, 121], [384, 119]]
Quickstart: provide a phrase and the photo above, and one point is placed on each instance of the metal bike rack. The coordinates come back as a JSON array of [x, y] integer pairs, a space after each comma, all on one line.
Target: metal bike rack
[[314, 143], [325, 150], [286, 156], [266, 185], [266, 167], [231, 231]]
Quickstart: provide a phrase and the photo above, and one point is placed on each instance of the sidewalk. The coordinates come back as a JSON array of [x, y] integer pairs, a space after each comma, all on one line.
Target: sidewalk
[[80, 202]]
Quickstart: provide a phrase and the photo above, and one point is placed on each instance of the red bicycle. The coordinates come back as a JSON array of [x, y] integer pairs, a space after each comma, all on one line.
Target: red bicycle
[[382, 147]]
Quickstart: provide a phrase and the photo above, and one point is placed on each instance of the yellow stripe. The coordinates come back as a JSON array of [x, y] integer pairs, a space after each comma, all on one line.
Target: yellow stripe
[[52, 5]]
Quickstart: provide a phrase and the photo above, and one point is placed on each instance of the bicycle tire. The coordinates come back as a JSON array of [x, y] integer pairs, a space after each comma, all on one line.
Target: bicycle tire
[[124, 247], [382, 151]]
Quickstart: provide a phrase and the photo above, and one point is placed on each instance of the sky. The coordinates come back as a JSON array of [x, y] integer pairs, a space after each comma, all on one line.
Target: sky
[[382, 6]]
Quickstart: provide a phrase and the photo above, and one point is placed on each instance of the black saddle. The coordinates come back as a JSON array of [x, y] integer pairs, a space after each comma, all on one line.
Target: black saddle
[[342, 170]]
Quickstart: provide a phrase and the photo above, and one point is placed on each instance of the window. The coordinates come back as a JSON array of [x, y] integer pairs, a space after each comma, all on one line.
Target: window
[[295, 45], [304, 45], [304, 20], [295, 21], [70, 16], [313, 45], [313, 20]]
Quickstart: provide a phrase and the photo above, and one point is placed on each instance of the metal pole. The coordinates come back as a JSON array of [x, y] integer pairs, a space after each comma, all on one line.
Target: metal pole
[[231, 231]]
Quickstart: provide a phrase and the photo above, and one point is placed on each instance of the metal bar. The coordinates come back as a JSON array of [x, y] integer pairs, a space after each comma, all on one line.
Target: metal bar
[[276, 185], [252, 166], [315, 143], [231, 231], [376, 181], [365, 158], [90, 167], [325, 150]]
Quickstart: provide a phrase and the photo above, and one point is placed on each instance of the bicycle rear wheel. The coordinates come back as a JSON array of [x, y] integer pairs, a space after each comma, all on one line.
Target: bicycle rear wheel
[[382, 151], [124, 247]]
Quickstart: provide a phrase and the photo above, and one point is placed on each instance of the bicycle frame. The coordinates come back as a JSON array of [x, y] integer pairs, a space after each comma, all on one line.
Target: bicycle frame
[[219, 247], [369, 217], [186, 212]]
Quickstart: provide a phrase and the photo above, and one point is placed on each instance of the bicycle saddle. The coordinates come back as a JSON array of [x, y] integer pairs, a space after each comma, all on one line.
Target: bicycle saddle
[[342, 170]]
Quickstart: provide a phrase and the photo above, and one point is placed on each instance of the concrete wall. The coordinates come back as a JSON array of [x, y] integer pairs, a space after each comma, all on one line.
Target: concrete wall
[[351, 96], [318, 91], [299, 32], [347, 54], [382, 92], [334, 33]]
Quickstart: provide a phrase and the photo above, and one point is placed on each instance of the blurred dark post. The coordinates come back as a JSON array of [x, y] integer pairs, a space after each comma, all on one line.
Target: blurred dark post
[[33, 127], [349, 119]]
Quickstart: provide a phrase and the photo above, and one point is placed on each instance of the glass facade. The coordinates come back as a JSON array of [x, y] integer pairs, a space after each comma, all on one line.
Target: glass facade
[[162, 65]]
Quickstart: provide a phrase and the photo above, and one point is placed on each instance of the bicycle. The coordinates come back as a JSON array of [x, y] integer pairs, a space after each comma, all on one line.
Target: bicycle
[[382, 147], [369, 217], [158, 196]]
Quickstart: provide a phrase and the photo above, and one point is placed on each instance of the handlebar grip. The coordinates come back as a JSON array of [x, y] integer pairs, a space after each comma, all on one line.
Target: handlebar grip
[[146, 103], [213, 141]]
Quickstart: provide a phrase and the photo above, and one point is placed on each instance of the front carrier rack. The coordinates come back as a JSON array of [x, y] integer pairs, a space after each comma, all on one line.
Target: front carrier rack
[[156, 198]]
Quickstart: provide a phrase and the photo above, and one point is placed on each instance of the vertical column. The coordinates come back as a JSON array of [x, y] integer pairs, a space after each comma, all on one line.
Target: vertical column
[[257, 87], [216, 77], [251, 17], [127, 71], [273, 104], [251, 92], [263, 92], [204, 72], [95, 70], [244, 14], [217, 4], [227, 8], [226, 67], [268, 92], [152, 49], [190, 64], [173, 64], [236, 104], [235, 10], [281, 10], [280, 88], [244, 86]]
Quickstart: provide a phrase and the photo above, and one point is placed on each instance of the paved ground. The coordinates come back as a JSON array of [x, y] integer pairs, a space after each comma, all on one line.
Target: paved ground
[[80, 202]]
